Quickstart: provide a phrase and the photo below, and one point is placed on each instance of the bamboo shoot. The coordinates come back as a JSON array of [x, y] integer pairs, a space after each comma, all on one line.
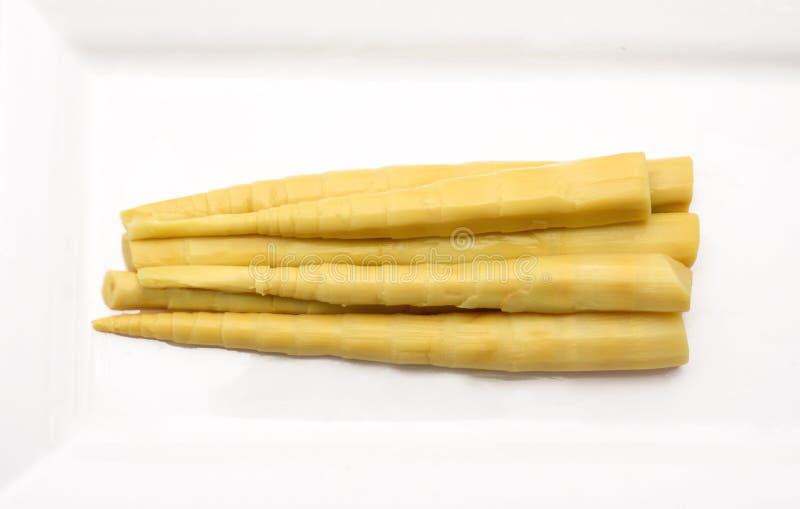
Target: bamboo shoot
[[670, 188], [489, 341], [274, 193], [547, 284], [590, 192], [675, 235], [121, 291], [671, 183]]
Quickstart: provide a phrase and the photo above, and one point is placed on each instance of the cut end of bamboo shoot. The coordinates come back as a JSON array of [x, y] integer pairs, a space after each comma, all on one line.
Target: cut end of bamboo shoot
[[671, 183], [691, 237], [121, 290], [683, 280], [127, 256]]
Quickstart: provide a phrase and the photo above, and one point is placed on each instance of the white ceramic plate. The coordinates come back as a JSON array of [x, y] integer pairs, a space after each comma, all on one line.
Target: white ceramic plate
[[111, 104]]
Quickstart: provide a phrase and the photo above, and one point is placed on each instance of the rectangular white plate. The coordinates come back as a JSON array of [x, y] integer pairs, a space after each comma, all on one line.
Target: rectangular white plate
[[109, 105]]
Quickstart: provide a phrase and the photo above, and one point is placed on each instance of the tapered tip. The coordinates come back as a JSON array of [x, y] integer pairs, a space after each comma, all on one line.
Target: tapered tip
[[104, 324]]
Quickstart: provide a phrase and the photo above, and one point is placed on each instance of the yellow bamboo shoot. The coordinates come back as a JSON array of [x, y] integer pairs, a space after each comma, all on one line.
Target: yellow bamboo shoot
[[590, 192], [547, 284], [670, 188], [121, 290], [490, 341], [671, 183], [675, 235], [274, 193]]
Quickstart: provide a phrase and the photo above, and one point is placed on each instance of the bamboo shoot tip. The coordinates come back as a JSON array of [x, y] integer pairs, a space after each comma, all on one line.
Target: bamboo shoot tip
[[104, 324]]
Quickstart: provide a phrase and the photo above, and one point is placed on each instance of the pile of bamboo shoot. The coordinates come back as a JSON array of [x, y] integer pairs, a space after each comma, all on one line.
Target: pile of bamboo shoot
[[511, 266]]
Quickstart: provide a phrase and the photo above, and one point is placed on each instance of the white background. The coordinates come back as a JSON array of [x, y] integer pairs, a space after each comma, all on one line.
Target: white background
[[108, 105]]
